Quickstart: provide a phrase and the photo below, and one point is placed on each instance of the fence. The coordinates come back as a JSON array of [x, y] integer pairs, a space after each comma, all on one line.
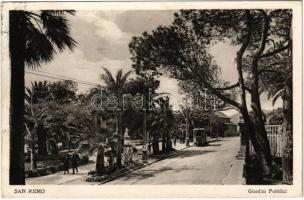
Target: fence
[[274, 134]]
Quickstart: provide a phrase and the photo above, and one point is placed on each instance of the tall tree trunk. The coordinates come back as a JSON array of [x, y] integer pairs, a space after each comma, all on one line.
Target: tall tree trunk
[[33, 153], [163, 141], [168, 142], [41, 136], [287, 158], [100, 167], [119, 141], [263, 151], [187, 124], [254, 128], [145, 128], [17, 48], [164, 130], [155, 144], [262, 147]]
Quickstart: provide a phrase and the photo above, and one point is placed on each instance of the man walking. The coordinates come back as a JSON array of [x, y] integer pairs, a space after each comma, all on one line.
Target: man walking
[[174, 140], [75, 159], [66, 164]]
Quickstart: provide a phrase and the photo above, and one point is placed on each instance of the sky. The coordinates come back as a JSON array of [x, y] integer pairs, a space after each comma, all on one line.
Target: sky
[[103, 38]]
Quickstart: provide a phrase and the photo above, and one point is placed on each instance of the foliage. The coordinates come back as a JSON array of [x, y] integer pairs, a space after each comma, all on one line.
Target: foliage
[[50, 105], [216, 125], [181, 50], [276, 117], [42, 31]]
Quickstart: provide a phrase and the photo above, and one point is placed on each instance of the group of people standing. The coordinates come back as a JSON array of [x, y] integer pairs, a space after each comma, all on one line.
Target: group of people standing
[[71, 161]]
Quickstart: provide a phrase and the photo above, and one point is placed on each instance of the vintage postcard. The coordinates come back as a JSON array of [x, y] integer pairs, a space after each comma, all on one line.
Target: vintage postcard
[[151, 99]]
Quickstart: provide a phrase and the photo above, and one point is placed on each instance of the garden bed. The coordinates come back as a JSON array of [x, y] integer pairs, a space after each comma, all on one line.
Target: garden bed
[[50, 167]]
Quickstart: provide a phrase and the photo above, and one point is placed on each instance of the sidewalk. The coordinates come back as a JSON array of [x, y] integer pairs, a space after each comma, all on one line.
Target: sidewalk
[[59, 178], [235, 175]]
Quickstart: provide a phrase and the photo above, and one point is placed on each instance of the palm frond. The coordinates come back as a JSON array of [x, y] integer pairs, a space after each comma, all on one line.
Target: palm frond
[[277, 95], [107, 77], [118, 78], [60, 12], [28, 96], [42, 32], [57, 29], [38, 48], [125, 76]]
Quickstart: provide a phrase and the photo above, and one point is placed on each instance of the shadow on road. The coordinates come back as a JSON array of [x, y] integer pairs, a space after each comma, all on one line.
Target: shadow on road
[[191, 153], [214, 145], [143, 174], [218, 140], [146, 173]]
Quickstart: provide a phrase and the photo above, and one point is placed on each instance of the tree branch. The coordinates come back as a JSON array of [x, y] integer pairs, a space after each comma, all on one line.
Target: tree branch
[[226, 99], [247, 89], [240, 54], [272, 64], [264, 35], [205, 85], [228, 87], [268, 54]]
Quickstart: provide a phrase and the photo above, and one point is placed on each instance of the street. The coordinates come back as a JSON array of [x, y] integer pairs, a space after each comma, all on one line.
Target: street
[[194, 165]]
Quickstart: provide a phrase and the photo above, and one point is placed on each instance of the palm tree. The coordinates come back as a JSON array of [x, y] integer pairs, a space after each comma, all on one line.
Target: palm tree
[[32, 40], [161, 123], [116, 86], [277, 83], [35, 114]]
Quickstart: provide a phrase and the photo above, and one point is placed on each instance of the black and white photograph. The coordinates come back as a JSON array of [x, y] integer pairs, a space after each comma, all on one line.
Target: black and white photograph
[[115, 95]]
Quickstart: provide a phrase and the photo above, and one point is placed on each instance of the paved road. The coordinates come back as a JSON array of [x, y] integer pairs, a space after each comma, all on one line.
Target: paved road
[[195, 165]]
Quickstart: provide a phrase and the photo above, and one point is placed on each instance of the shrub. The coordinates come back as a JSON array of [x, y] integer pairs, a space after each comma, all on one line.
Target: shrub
[[53, 169], [48, 170], [42, 171], [83, 160], [27, 173], [59, 167], [34, 173]]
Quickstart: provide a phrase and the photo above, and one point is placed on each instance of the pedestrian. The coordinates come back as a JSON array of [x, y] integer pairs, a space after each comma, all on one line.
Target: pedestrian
[[66, 164], [75, 159], [174, 140]]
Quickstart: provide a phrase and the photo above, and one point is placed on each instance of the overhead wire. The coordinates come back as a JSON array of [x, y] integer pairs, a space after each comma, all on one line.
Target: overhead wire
[[60, 77]]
